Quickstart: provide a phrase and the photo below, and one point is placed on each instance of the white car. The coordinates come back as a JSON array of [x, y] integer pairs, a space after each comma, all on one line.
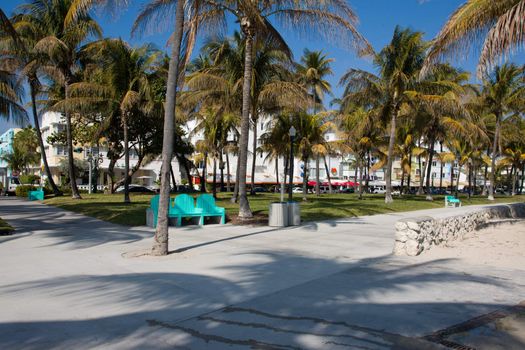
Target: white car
[[297, 190]]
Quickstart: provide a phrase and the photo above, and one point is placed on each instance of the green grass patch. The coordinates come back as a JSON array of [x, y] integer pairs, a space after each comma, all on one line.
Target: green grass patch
[[111, 207], [5, 228]]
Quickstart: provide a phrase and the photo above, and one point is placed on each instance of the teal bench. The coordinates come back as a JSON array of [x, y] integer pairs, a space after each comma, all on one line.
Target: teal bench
[[206, 203], [451, 201], [37, 195], [183, 206]]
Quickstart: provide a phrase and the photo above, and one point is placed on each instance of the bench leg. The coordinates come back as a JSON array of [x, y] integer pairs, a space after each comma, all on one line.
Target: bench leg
[[223, 219], [201, 220], [179, 221]]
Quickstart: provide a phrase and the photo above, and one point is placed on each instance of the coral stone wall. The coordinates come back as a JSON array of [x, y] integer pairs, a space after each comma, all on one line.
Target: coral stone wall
[[414, 236]]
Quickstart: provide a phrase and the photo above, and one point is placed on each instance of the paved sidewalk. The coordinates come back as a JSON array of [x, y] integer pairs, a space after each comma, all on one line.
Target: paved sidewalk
[[70, 281]]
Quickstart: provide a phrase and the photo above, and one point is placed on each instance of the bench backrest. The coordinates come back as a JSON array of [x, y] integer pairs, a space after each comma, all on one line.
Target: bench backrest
[[207, 203], [185, 203], [154, 203]]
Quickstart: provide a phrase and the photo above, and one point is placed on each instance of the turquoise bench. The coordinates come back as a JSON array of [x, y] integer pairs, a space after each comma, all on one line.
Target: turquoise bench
[[37, 195], [183, 206], [451, 201], [206, 203]]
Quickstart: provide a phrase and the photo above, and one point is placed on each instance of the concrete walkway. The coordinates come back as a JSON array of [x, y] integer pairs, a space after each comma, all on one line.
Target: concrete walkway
[[70, 281]]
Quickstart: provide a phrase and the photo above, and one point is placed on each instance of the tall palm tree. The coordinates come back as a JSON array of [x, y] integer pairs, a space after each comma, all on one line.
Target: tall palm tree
[[503, 92], [26, 62], [399, 64], [497, 23], [441, 93], [312, 71], [59, 45], [254, 19]]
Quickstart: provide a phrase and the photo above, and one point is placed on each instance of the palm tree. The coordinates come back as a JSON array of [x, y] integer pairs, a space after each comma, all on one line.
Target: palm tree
[[310, 139], [11, 98], [503, 91], [124, 91], [399, 64], [25, 62], [59, 44], [441, 93], [312, 70], [254, 19], [497, 23], [514, 157]]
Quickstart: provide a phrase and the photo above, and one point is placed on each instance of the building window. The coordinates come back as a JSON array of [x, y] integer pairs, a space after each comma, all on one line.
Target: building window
[[260, 168], [61, 150], [434, 163]]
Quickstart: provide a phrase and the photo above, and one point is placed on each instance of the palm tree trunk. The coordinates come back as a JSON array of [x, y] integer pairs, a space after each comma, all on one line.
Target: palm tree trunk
[[254, 155], [469, 181], [317, 177], [221, 168], [522, 178], [305, 177], [235, 195], [429, 168], [367, 171], [228, 175], [514, 181], [285, 165], [276, 173], [71, 163], [361, 184], [403, 173], [356, 164], [214, 182], [50, 180], [244, 206], [328, 176], [457, 180], [160, 245], [390, 156], [204, 177], [493, 159], [421, 173], [409, 177], [441, 166], [126, 157], [173, 184]]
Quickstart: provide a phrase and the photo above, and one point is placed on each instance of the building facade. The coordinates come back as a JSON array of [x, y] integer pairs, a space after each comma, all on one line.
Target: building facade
[[6, 147]]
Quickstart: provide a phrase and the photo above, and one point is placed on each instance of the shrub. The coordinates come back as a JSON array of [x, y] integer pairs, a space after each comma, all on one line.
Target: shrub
[[29, 179], [23, 190]]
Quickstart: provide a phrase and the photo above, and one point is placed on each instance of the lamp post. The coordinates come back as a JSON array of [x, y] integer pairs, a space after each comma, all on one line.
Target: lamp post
[[292, 133]]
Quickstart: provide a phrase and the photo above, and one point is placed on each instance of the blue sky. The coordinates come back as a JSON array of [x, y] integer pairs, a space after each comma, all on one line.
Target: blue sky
[[378, 18]]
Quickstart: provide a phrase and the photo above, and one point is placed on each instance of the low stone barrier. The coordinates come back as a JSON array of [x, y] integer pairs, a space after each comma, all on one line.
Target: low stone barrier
[[415, 235]]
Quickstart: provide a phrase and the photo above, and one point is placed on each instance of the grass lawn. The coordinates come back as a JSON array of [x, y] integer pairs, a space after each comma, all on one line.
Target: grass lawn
[[111, 207], [5, 228]]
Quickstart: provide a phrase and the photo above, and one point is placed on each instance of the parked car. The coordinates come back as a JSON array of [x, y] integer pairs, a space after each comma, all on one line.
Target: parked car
[[348, 190], [135, 189], [297, 190], [259, 189], [378, 189]]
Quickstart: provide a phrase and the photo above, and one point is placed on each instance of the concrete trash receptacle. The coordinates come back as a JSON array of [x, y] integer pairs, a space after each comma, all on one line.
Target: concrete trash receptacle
[[278, 214], [294, 214]]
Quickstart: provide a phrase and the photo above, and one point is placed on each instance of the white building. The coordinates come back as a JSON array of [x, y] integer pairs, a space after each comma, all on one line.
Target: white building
[[341, 168]]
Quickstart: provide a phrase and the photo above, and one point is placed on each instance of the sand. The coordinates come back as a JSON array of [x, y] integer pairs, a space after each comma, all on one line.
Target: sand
[[500, 246]]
